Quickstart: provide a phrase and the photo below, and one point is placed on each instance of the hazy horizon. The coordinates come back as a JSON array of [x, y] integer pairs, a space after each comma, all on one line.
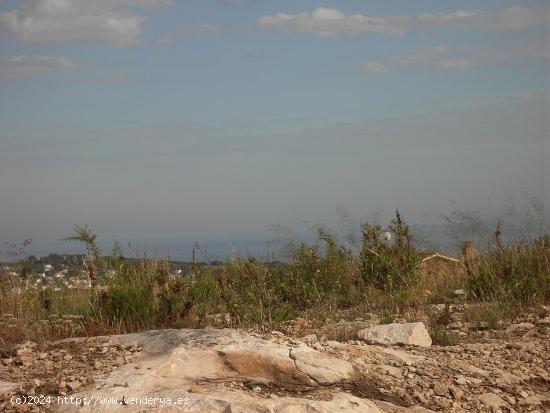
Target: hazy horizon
[[210, 121], [519, 216]]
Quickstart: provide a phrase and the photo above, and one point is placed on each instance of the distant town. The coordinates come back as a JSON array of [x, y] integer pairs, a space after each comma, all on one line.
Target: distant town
[[67, 271], [62, 271]]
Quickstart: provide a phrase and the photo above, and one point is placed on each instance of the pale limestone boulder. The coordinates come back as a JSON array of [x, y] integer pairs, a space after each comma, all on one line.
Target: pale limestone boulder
[[7, 388], [414, 334], [205, 368], [519, 328], [530, 401], [222, 371], [263, 362], [322, 370], [492, 401]]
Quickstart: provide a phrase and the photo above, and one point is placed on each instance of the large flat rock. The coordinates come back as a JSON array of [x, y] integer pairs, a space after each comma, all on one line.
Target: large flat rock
[[414, 334], [223, 371]]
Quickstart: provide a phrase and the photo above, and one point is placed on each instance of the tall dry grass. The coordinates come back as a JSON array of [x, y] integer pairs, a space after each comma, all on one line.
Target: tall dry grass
[[321, 280]]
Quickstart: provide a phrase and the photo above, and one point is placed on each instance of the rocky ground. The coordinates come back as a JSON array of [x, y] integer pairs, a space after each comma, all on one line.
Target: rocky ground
[[390, 369], [58, 369]]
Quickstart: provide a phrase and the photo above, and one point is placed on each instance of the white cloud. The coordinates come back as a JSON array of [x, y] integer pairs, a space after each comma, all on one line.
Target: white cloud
[[463, 57], [376, 67], [449, 64], [236, 3], [143, 3], [77, 21], [17, 66], [513, 18], [333, 22]]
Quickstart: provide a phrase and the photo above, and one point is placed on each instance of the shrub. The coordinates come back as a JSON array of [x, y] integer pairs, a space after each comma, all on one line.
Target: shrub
[[142, 296], [250, 295], [490, 312], [442, 337], [519, 273], [323, 274], [387, 265]]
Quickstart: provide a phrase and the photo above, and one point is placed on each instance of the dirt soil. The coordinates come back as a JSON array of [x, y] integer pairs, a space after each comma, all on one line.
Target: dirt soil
[[501, 370]]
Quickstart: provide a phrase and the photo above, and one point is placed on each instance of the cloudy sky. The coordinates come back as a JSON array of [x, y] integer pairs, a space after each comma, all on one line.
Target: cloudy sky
[[164, 121]]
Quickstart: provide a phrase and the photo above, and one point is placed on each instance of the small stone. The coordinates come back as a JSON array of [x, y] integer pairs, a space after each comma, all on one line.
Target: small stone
[[456, 392], [257, 389], [511, 400], [119, 361], [461, 380], [491, 400], [26, 359], [7, 362], [392, 371], [74, 385], [523, 393], [530, 401], [440, 389]]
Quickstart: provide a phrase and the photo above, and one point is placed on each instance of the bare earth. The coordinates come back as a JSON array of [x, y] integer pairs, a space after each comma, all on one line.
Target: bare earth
[[226, 370]]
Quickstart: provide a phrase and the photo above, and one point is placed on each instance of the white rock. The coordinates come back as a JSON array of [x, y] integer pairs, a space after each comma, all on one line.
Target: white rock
[[491, 400], [519, 328], [310, 338], [7, 388], [323, 369], [531, 401], [414, 334], [173, 360], [391, 371]]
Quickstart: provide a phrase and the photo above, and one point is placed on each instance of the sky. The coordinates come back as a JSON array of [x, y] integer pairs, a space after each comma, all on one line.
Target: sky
[[164, 122]]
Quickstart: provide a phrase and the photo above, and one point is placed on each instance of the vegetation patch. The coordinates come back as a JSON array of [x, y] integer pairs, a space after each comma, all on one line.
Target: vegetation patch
[[322, 281]]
